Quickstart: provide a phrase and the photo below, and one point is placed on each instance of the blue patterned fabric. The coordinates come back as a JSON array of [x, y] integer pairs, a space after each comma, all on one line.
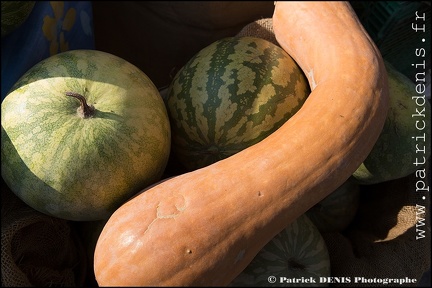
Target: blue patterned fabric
[[52, 27]]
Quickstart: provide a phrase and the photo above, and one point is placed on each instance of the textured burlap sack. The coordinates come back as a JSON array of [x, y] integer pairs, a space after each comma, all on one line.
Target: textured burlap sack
[[386, 238], [36, 249], [390, 235]]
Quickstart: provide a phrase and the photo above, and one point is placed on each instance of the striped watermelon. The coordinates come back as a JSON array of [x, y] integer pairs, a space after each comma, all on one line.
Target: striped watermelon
[[13, 14], [298, 252], [83, 168], [229, 96]]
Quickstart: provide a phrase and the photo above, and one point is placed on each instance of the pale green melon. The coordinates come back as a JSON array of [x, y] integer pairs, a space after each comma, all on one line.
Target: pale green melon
[[83, 168]]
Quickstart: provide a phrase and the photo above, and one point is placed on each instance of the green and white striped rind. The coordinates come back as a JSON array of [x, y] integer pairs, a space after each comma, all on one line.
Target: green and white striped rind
[[231, 95], [298, 251], [13, 14], [75, 168]]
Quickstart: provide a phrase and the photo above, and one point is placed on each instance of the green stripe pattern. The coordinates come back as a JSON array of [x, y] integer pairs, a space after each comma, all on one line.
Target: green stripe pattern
[[298, 251], [231, 95], [75, 168]]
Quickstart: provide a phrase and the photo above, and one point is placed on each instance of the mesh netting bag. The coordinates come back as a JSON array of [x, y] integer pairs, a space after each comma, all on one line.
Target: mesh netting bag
[[390, 236], [36, 249]]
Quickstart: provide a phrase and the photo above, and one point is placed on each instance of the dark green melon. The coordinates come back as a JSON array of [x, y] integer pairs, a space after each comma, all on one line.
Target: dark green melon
[[296, 257], [13, 14], [231, 95], [336, 211], [404, 144]]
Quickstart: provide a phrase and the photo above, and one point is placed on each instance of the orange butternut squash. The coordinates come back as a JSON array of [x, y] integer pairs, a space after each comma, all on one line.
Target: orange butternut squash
[[204, 227]]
